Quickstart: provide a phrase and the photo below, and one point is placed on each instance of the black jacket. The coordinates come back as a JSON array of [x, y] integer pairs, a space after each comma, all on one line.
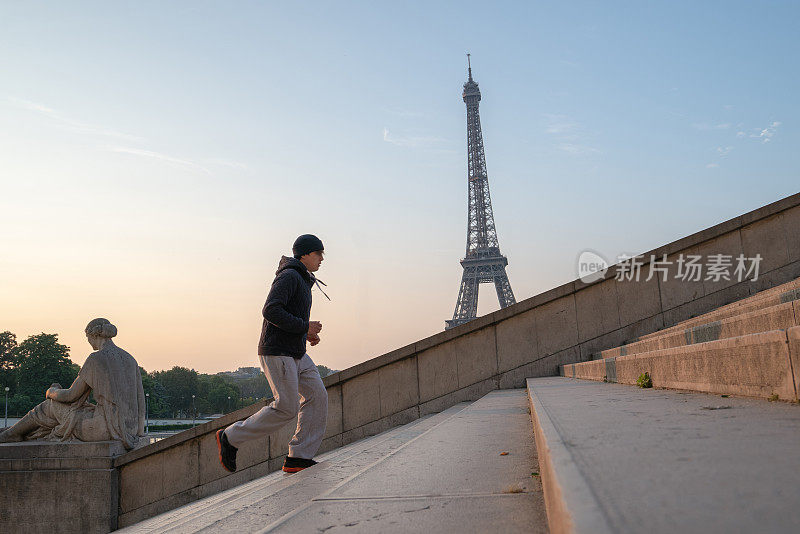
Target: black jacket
[[287, 310]]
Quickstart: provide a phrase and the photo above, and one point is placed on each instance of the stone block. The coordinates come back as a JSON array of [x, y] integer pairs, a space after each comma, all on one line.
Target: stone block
[[476, 354], [375, 363], [626, 334], [252, 452], [399, 386], [705, 304], [638, 300], [675, 290], [328, 444], [791, 229], [595, 370], [181, 469], [768, 238], [380, 425], [41, 497], [756, 365], [279, 440], [729, 245], [556, 325], [469, 393], [438, 371], [334, 425], [778, 317], [209, 466], [516, 341], [141, 482], [779, 276], [793, 336], [159, 507], [361, 400], [550, 295], [597, 309], [546, 366]]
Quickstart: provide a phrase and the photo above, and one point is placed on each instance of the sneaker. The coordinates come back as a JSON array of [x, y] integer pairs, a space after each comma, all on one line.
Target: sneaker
[[293, 465], [227, 452]]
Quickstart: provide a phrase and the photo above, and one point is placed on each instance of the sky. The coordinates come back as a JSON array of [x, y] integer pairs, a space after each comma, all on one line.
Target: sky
[[158, 158]]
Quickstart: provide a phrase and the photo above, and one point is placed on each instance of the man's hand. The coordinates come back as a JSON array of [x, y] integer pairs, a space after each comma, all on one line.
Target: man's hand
[[314, 327], [313, 339]]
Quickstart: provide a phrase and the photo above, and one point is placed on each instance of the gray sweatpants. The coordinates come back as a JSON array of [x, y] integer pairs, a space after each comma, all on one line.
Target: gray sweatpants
[[298, 390]]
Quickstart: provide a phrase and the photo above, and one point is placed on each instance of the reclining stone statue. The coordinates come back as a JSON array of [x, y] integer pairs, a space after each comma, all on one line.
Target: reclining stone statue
[[112, 376]]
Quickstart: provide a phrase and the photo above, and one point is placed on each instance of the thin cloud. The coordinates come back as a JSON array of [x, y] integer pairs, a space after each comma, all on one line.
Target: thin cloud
[[404, 112], [228, 163], [704, 126], [69, 123], [561, 126], [712, 165], [724, 151], [184, 163], [572, 148], [412, 141], [766, 134], [569, 135]]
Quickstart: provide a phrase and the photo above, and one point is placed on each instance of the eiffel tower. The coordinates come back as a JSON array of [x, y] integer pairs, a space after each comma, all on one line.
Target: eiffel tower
[[483, 262]]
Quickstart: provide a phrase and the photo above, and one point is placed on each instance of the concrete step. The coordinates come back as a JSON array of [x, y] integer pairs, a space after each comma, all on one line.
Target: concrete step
[[224, 509], [444, 473], [782, 294], [627, 460], [761, 365], [778, 317], [453, 478]]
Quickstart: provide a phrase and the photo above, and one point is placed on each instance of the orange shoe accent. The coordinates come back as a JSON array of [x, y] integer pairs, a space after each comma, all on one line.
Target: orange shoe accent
[[292, 469]]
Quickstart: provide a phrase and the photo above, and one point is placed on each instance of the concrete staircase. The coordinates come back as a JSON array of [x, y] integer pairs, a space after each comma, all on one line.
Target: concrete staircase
[[616, 458], [441, 473], [750, 347], [620, 459]]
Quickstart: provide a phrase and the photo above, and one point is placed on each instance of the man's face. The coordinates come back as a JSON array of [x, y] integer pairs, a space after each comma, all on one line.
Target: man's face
[[313, 260]]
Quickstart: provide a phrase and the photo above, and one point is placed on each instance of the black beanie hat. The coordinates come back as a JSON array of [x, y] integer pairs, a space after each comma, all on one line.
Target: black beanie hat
[[305, 244]]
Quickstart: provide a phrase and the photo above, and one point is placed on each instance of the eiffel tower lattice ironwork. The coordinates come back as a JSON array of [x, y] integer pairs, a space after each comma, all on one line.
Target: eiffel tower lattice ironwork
[[483, 262]]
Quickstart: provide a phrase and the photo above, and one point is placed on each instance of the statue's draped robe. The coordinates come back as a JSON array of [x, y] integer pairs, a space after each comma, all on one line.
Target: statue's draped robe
[[114, 378]]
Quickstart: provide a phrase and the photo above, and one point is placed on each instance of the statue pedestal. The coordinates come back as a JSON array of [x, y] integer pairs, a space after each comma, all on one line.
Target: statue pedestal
[[59, 487]]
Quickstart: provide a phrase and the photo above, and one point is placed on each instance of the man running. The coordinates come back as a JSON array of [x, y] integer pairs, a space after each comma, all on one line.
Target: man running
[[295, 382]]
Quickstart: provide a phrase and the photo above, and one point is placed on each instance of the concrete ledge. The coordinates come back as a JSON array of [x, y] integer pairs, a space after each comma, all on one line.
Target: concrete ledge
[[755, 365], [571, 505], [781, 294], [776, 317]]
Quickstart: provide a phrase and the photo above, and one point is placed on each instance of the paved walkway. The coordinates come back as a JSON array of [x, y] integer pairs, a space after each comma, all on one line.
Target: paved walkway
[[443, 473], [665, 461]]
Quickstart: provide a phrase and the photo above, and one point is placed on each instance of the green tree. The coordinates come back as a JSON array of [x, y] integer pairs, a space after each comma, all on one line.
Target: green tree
[[325, 371], [157, 405], [41, 361], [8, 363], [214, 393], [179, 384]]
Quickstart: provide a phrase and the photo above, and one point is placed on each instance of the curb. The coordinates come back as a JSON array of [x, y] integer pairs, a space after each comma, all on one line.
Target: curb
[[569, 501]]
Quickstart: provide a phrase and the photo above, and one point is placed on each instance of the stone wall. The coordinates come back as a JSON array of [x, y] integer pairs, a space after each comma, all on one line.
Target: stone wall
[[530, 339]]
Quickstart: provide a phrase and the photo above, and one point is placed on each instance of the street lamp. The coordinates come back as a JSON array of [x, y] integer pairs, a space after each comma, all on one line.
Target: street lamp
[[5, 425], [194, 411], [147, 412], [229, 404]]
